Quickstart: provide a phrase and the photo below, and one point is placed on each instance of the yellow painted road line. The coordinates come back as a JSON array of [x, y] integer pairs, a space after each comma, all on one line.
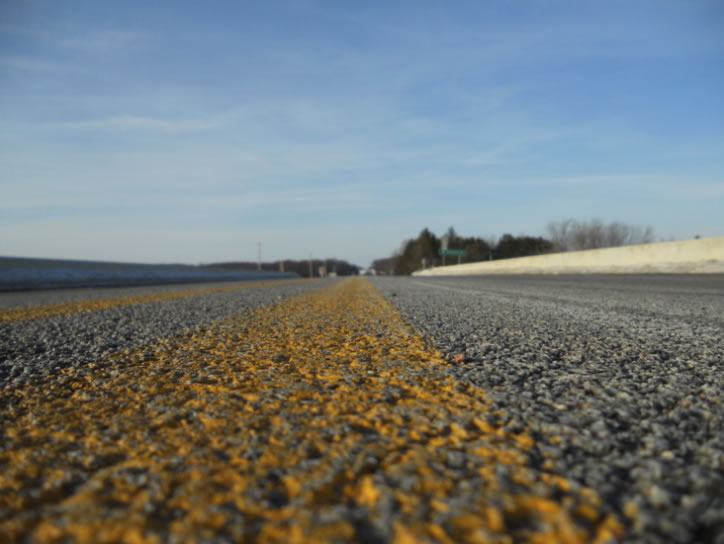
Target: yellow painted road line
[[85, 306], [323, 418]]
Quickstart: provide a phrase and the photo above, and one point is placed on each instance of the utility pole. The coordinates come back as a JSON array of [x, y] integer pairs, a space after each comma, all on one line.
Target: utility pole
[[281, 266], [311, 272]]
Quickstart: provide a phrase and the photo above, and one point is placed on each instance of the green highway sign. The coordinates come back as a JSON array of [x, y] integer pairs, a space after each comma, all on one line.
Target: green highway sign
[[452, 253]]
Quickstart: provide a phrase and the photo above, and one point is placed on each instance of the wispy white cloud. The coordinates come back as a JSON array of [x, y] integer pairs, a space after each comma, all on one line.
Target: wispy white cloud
[[348, 198], [102, 40], [76, 36], [697, 189], [33, 65], [140, 122]]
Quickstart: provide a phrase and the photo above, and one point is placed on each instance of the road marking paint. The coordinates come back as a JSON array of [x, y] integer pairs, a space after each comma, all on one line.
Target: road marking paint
[[322, 418], [96, 305]]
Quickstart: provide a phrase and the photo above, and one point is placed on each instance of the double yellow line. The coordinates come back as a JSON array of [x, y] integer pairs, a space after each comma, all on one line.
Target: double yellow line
[[323, 418]]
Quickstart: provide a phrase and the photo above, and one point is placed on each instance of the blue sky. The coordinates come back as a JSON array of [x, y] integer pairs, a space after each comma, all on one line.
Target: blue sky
[[188, 131]]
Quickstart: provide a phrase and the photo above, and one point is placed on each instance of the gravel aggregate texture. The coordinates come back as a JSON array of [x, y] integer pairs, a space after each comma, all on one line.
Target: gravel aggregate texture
[[321, 418], [36, 342], [619, 380]]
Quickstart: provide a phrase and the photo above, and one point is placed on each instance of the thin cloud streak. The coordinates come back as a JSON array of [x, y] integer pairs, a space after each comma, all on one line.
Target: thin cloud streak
[[102, 41], [139, 122], [34, 65]]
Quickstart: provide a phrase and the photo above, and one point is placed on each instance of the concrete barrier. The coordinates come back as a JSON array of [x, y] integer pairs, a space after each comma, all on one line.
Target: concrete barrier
[[704, 256]]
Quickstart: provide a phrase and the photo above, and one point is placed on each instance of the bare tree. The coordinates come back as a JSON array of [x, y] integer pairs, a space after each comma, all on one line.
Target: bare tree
[[570, 235], [558, 233], [616, 234], [492, 242]]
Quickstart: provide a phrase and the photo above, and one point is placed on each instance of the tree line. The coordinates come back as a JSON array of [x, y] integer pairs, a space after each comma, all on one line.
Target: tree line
[[570, 235], [301, 268], [567, 235]]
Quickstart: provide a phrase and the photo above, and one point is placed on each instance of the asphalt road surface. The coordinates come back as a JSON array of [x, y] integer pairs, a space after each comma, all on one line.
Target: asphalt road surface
[[620, 378], [518, 409]]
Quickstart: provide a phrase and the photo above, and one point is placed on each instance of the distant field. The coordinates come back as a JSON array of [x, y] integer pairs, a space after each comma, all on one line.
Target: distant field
[[18, 274]]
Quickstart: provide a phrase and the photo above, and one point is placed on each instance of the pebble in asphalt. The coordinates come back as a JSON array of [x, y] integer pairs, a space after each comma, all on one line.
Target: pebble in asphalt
[[620, 380]]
